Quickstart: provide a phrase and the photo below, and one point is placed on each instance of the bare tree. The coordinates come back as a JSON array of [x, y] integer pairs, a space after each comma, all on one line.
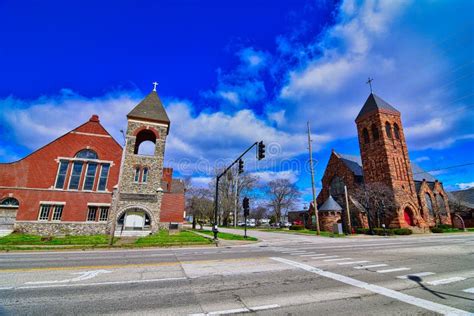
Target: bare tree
[[259, 213], [378, 201], [232, 188], [282, 195], [199, 203]]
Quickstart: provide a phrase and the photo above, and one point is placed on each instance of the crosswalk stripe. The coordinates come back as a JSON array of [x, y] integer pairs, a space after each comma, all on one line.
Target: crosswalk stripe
[[471, 290], [421, 274], [338, 259], [392, 270], [371, 266], [352, 262], [309, 255], [325, 257], [446, 281]]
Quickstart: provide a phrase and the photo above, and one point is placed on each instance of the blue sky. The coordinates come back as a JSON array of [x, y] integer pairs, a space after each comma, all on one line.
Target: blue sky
[[233, 72]]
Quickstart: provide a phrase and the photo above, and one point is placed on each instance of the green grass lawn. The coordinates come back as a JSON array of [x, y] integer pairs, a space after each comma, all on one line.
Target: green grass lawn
[[226, 236], [25, 239], [163, 239], [303, 232]]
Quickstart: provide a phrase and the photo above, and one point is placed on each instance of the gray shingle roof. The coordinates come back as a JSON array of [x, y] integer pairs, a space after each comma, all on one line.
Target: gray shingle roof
[[354, 163], [466, 197], [373, 103], [330, 205], [150, 108]]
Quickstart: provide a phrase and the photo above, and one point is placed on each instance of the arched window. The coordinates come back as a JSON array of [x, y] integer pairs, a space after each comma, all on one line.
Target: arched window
[[365, 134], [337, 186], [375, 132], [145, 143], [87, 154], [388, 129], [396, 130], [10, 202], [429, 204], [441, 204], [145, 175], [136, 177]]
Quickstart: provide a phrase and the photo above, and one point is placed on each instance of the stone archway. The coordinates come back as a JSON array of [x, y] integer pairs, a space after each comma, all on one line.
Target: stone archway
[[408, 216], [134, 219]]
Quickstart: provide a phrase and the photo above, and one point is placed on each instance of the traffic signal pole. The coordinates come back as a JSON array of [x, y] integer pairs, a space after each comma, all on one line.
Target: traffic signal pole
[[216, 199]]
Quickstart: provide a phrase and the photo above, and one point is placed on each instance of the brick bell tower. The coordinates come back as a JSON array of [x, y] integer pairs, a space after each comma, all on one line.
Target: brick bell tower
[[137, 199], [385, 158]]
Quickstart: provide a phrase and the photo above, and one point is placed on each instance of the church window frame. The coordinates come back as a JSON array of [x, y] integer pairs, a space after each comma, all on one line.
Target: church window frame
[[51, 211], [87, 154], [92, 211], [145, 173], [103, 213], [76, 173], [388, 130], [429, 204], [63, 168], [375, 132], [396, 130], [10, 202], [136, 176], [103, 177], [365, 135], [89, 176]]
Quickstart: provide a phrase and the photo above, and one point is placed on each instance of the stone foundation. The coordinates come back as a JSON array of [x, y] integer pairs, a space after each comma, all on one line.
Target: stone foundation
[[58, 229]]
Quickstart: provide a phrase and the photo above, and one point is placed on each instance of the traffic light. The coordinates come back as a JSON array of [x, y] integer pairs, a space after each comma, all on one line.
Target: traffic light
[[246, 205], [241, 166], [261, 150]]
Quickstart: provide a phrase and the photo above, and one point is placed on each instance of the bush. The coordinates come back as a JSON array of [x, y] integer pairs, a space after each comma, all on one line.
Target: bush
[[444, 226], [296, 227], [383, 232], [402, 231], [436, 230], [362, 230]]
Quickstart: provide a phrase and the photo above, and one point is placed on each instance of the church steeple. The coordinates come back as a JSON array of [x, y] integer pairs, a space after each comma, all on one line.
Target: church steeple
[[376, 103], [150, 109]]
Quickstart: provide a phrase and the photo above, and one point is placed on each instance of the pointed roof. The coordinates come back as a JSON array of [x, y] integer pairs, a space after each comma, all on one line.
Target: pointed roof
[[374, 103], [330, 205], [150, 109]]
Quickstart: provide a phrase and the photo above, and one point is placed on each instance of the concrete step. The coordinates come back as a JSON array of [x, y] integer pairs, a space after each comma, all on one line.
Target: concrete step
[[4, 232], [132, 233]]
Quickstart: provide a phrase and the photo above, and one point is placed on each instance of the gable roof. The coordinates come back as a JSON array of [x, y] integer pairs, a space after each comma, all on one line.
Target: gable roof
[[466, 197], [374, 103], [151, 109], [354, 163], [330, 205]]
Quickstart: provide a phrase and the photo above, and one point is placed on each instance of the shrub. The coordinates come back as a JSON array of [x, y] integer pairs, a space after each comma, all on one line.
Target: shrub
[[444, 226], [402, 231], [296, 227], [362, 230], [436, 230]]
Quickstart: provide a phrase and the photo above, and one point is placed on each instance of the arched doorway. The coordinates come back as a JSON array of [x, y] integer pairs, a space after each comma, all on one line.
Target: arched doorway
[[408, 216], [134, 219]]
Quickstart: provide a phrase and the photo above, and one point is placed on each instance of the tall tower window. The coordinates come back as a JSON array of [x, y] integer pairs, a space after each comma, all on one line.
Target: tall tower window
[[76, 175], [396, 130], [145, 175], [136, 177], [388, 129], [375, 132], [365, 134], [90, 176], [429, 204], [61, 174]]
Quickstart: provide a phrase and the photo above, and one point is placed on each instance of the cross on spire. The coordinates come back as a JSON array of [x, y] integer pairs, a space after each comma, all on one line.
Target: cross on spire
[[154, 85], [369, 82]]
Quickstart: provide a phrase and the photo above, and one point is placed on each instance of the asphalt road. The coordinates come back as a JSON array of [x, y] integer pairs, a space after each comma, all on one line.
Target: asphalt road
[[281, 275]]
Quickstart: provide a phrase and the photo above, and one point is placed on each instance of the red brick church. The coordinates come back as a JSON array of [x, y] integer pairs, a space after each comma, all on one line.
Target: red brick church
[[418, 200], [84, 182]]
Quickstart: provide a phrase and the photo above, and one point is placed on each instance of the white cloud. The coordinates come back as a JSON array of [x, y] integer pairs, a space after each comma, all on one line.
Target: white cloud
[[423, 158], [464, 186], [267, 176]]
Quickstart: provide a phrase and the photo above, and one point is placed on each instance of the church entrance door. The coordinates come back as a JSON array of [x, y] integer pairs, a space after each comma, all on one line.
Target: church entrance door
[[135, 220], [408, 217]]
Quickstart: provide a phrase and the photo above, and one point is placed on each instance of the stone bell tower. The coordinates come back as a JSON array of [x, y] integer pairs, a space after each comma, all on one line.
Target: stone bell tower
[[385, 158], [136, 204]]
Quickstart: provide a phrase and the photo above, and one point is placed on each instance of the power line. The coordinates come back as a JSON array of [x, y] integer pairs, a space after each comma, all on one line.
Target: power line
[[448, 167]]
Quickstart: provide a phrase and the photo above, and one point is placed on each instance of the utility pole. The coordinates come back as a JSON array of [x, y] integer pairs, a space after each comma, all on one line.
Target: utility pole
[[315, 205], [349, 226]]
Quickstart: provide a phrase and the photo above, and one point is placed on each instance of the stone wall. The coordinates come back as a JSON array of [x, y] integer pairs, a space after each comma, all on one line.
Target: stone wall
[[60, 228], [328, 219]]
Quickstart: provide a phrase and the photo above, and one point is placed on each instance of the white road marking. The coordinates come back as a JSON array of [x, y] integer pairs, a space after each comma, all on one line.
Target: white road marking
[[446, 281], [324, 257], [471, 290], [91, 284], [309, 255], [86, 275], [428, 305], [392, 270], [238, 310], [371, 266], [338, 259], [352, 262], [421, 274]]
